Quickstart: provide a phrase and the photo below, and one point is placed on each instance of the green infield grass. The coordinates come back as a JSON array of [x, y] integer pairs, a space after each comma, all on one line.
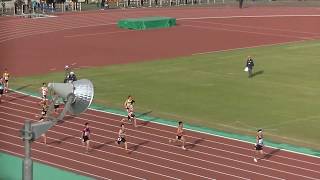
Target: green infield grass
[[212, 90]]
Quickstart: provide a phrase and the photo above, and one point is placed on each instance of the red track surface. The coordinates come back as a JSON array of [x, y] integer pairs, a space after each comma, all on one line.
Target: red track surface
[[150, 155], [91, 39]]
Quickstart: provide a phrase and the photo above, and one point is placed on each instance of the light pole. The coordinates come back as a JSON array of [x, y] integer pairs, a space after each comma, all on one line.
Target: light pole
[[78, 96], [27, 161]]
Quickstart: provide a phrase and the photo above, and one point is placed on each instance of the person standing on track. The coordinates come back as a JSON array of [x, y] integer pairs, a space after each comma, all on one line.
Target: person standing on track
[[122, 137], [85, 136], [180, 135], [1, 88], [44, 91], [6, 76], [259, 145]]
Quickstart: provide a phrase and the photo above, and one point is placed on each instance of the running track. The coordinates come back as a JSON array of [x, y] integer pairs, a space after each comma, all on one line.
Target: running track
[[92, 38], [150, 155]]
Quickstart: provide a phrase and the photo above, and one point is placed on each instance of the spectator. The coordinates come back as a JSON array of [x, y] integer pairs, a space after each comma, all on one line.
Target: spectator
[[102, 4], [240, 4]]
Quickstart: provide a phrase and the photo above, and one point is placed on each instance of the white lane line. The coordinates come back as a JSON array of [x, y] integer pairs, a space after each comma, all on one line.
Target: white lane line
[[174, 133], [72, 22], [57, 22], [173, 169], [54, 164], [247, 32], [102, 151], [55, 26], [253, 27], [176, 154], [189, 150], [159, 156], [207, 140], [50, 154], [45, 32], [95, 34], [88, 155], [259, 16]]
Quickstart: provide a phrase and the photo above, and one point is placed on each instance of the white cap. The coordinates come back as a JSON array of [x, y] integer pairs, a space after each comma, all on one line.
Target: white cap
[[71, 72], [66, 67]]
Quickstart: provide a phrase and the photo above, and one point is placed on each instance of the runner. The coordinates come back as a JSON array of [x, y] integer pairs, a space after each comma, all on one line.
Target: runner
[[259, 145], [44, 106], [180, 135], [132, 116], [128, 102], [44, 137], [128, 105], [85, 136], [1, 88], [122, 137], [44, 91], [44, 109], [6, 76], [56, 103]]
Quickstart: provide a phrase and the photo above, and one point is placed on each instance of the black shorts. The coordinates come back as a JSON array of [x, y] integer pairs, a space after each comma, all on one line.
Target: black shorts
[[179, 137], [258, 147], [120, 139], [1, 91], [85, 138], [131, 116], [6, 81], [44, 96]]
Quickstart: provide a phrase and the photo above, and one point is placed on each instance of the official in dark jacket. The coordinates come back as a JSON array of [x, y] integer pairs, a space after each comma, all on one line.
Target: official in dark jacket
[[249, 65], [71, 77]]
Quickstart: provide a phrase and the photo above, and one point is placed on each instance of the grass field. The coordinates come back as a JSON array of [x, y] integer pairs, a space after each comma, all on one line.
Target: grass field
[[213, 90]]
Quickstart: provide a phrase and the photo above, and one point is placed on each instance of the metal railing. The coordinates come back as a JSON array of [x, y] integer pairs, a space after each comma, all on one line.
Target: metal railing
[[8, 7]]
